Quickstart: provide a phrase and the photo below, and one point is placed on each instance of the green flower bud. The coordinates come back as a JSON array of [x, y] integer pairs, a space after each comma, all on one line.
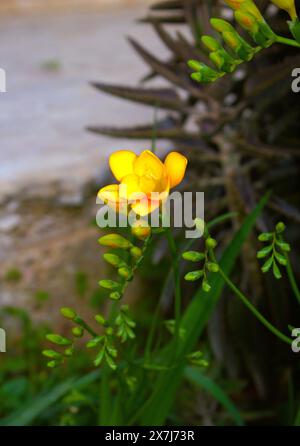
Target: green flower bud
[[193, 256], [280, 227], [52, 354], [115, 241], [109, 331], [210, 243], [193, 275], [247, 21], [195, 65], [53, 364], [211, 43], [125, 272], [204, 73], [94, 342], [221, 25], [69, 352], [100, 319], [267, 265], [283, 245], [206, 286], [280, 258], [276, 271], [264, 252], [58, 339], [136, 252], [78, 332], [109, 284], [112, 259], [115, 296], [265, 236], [200, 225], [212, 267], [68, 313]]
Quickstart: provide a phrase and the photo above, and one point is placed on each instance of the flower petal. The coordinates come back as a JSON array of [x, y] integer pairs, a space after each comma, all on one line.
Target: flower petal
[[148, 164], [121, 163], [109, 193], [175, 164]]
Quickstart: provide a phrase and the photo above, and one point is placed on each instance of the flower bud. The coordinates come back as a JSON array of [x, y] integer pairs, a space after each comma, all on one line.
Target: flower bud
[[125, 272], [193, 275], [246, 20], [115, 295], [280, 227], [136, 252], [221, 25], [140, 230], [115, 241], [69, 352], [52, 354], [112, 259], [68, 313], [58, 339], [210, 243], [77, 332], [193, 256], [100, 319], [109, 284], [211, 43], [206, 286], [212, 267]]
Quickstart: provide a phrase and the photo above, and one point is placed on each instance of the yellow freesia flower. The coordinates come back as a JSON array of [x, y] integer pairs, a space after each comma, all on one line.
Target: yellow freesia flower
[[145, 181], [287, 5]]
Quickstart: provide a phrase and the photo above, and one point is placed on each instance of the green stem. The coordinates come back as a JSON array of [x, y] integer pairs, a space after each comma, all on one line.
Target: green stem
[[249, 305], [287, 41], [176, 272], [292, 279], [253, 310]]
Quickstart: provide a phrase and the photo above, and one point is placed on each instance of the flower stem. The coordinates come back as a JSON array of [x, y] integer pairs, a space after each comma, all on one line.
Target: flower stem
[[251, 307], [287, 41], [292, 279], [176, 273]]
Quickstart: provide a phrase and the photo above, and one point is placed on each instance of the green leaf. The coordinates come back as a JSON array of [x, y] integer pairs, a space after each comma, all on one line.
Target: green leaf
[[204, 382], [29, 411]]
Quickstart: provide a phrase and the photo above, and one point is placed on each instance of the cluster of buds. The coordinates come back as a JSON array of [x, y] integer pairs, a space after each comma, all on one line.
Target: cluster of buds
[[275, 251], [120, 328], [251, 20], [207, 258], [124, 257]]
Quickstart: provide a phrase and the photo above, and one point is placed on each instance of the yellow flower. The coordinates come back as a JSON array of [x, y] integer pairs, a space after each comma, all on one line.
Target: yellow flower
[[287, 5], [145, 181]]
